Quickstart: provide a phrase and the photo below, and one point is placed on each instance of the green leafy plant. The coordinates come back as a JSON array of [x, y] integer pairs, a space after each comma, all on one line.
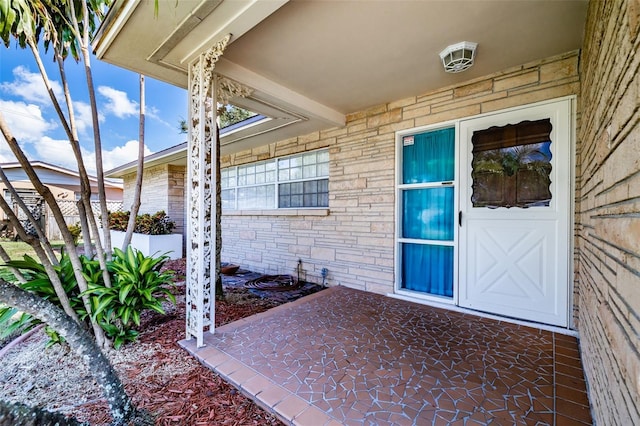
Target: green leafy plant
[[54, 337], [158, 223], [38, 282], [14, 323], [138, 284]]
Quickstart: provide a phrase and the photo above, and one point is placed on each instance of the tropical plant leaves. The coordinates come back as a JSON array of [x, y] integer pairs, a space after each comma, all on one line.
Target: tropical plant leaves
[[137, 285]]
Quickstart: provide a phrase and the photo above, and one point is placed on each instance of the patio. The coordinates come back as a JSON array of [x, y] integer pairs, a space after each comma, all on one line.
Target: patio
[[347, 357]]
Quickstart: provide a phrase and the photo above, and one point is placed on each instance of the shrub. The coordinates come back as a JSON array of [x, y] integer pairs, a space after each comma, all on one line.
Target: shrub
[[118, 220], [158, 223], [76, 231], [38, 283], [137, 285]]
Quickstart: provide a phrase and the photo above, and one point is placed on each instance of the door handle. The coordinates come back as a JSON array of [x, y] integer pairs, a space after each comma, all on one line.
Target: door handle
[[460, 218]]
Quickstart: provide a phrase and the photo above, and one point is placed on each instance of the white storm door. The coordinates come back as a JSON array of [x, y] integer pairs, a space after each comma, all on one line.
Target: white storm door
[[515, 213]]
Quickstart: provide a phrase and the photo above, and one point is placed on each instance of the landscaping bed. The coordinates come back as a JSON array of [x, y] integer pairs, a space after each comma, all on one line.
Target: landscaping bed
[[159, 376]]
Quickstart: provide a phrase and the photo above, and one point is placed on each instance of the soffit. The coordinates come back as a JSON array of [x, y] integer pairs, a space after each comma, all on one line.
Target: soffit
[[318, 60]]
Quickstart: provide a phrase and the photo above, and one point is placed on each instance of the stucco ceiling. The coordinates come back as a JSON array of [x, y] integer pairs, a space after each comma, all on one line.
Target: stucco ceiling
[[314, 61]]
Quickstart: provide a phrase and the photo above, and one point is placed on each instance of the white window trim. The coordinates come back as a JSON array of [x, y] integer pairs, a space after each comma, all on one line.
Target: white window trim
[[275, 210]]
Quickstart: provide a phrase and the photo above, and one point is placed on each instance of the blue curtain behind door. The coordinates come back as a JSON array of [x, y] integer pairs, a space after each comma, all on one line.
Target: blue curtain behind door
[[427, 212], [431, 157], [428, 269]]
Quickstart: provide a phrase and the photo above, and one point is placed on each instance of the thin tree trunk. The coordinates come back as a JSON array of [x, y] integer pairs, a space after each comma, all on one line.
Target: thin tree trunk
[[87, 247], [43, 239], [135, 207], [16, 272], [48, 267], [55, 209], [72, 134], [83, 39], [80, 341], [85, 186]]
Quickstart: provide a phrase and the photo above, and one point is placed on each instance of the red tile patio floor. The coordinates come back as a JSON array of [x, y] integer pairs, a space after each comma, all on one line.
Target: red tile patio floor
[[348, 357]]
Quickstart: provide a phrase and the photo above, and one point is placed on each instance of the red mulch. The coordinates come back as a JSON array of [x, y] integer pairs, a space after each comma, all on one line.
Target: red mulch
[[192, 394]]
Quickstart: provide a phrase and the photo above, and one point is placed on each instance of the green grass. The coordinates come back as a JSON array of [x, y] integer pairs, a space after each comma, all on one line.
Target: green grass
[[17, 249]]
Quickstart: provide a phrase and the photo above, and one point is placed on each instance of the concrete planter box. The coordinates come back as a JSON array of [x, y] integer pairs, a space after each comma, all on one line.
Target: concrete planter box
[[151, 245]]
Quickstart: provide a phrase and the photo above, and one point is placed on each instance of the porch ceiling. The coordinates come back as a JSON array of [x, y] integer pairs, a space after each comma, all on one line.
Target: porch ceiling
[[311, 62]]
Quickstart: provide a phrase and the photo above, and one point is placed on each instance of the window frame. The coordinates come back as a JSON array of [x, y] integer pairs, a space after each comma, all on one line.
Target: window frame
[[232, 182]]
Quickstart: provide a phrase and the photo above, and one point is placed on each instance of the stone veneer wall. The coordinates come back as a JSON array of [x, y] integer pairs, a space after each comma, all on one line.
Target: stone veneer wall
[[163, 188], [608, 205], [354, 239]]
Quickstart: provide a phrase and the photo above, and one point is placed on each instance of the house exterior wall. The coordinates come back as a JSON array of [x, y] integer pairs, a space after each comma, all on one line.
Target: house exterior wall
[[354, 237], [608, 203], [163, 188], [176, 191]]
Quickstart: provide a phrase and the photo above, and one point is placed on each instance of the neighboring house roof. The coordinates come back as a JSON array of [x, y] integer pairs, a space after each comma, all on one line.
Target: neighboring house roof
[[310, 63], [51, 174], [177, 154]]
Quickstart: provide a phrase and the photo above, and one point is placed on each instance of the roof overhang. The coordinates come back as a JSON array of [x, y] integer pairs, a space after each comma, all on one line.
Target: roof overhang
[[175, 155], [60, 171], [310, 62]]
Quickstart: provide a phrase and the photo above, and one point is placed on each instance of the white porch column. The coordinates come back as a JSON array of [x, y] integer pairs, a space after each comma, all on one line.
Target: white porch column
[[201, 194], [202, 164]]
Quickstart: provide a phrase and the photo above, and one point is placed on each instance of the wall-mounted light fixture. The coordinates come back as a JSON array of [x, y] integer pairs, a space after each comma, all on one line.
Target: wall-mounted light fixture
[[458, 57]]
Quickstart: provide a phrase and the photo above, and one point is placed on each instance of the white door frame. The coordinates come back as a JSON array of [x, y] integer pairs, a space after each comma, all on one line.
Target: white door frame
[[398, 290], [569, 175]]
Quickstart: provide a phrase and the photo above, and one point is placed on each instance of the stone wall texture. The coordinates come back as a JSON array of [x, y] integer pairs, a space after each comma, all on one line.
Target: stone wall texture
[[163, 188], [608, 211], [354, 237]]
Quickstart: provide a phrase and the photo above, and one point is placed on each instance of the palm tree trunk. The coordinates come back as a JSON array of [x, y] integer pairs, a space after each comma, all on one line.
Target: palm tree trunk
[[80, 341], [72, 134], [43, 238], [35, 244], [55, 209], [20, 414], [135, 207]]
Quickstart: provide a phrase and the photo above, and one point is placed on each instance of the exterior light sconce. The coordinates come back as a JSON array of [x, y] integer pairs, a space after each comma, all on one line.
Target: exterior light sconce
[[458, 57]]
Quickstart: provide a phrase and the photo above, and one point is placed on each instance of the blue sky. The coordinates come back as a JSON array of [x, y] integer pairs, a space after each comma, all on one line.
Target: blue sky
[[27, 109]]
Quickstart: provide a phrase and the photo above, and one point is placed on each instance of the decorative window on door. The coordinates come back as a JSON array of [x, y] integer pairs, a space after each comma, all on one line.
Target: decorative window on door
[[511, 165]]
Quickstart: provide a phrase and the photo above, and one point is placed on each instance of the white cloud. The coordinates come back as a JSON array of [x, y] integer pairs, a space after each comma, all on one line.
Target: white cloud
[[118, 102], [30, 87], [122, 154], [6, 155], [25, 120], [59, 152], [84, 119], [55, 151]]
